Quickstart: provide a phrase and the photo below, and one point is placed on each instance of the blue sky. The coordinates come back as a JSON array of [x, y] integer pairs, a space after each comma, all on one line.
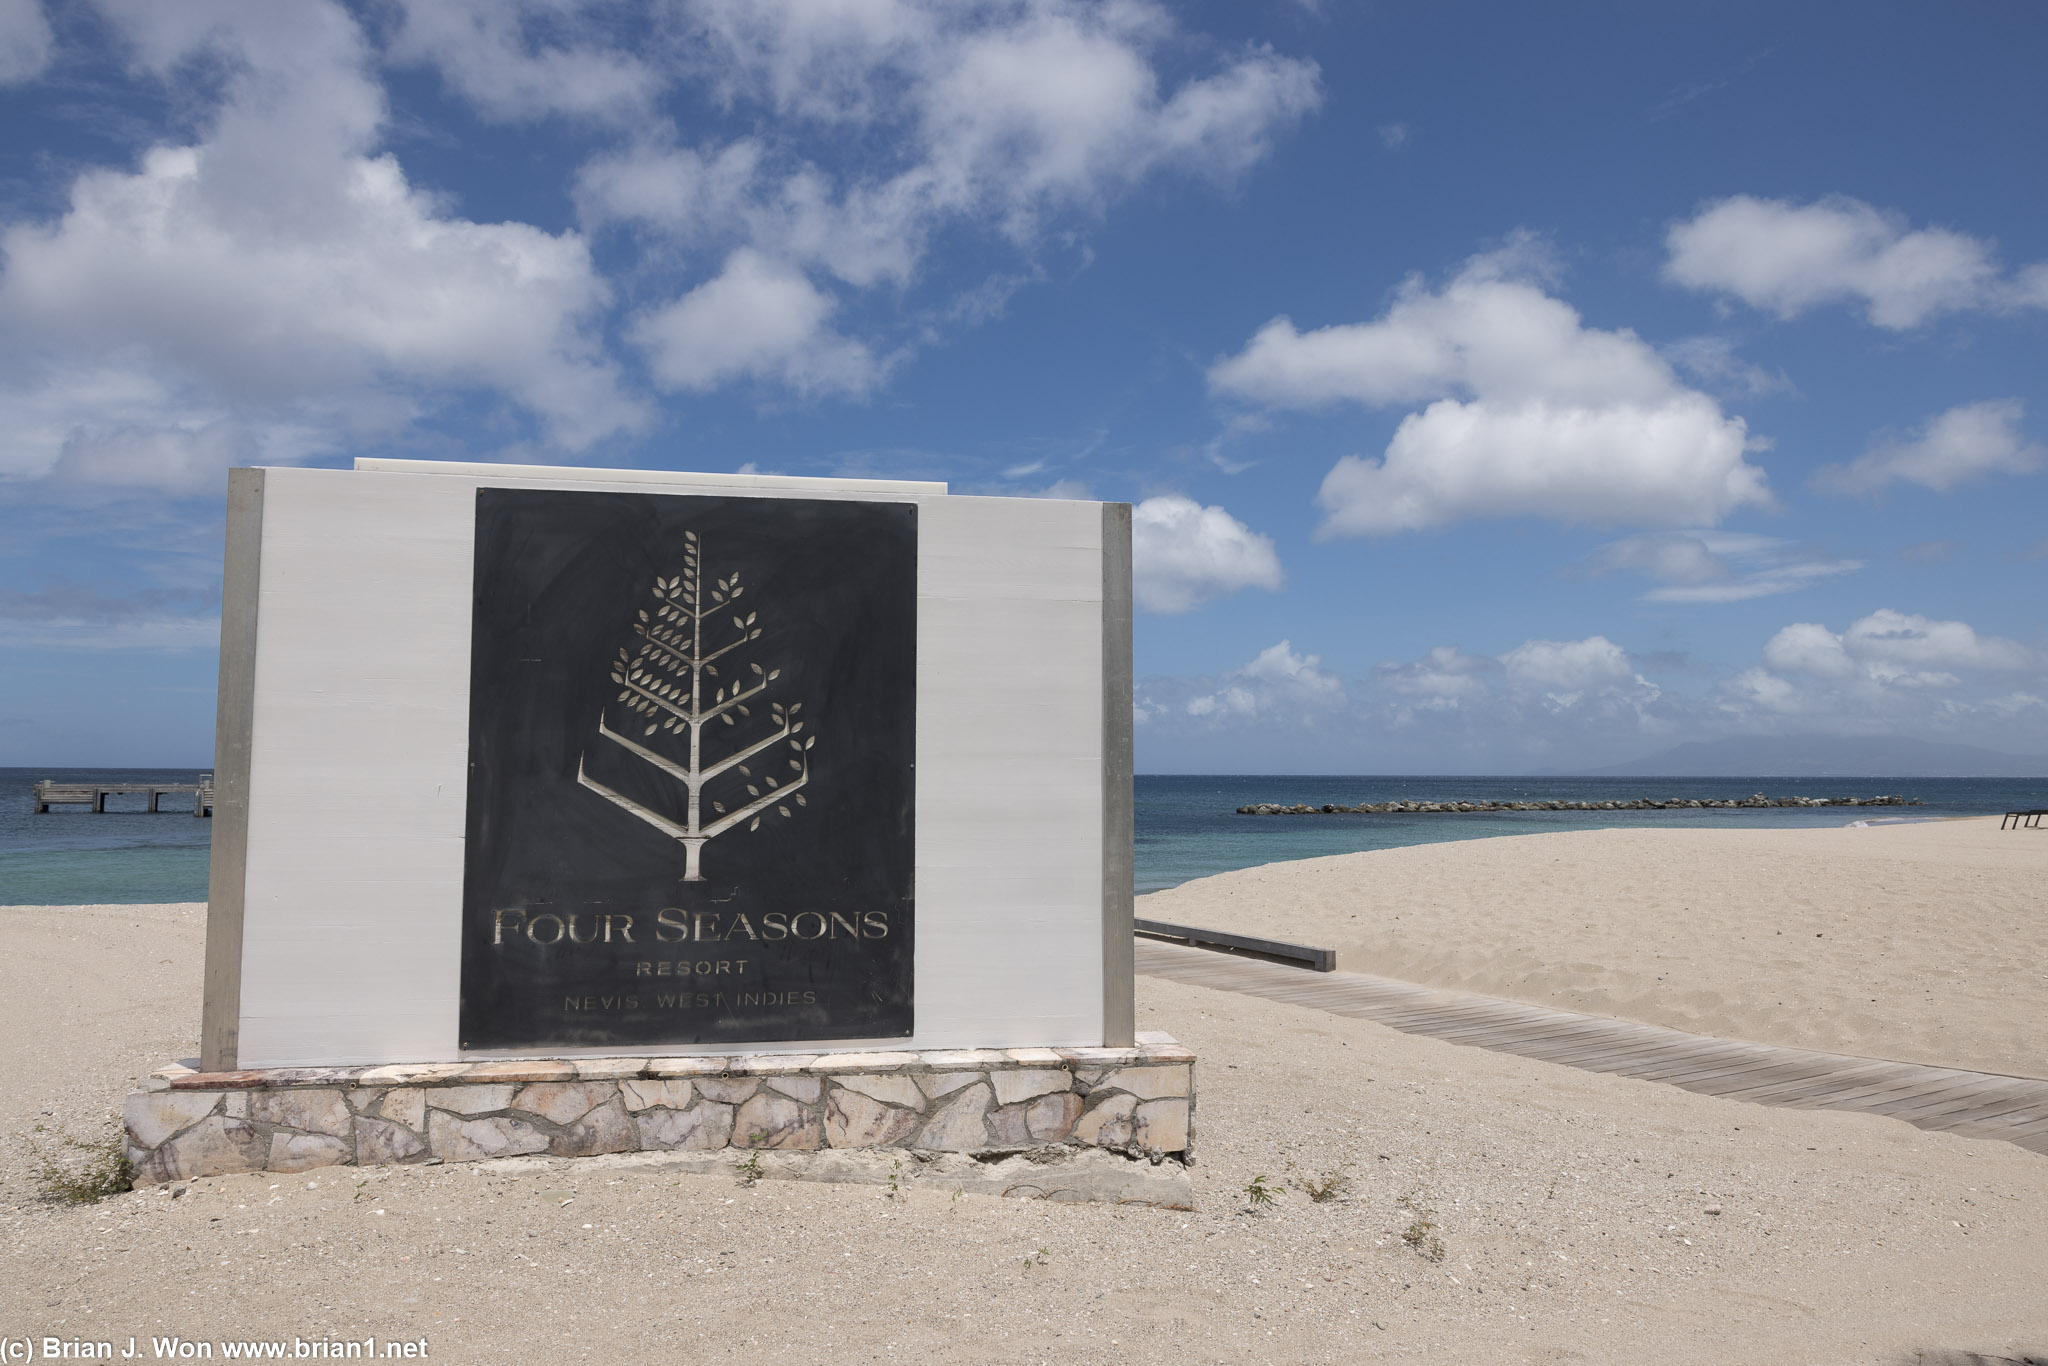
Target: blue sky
[[1499, 388]]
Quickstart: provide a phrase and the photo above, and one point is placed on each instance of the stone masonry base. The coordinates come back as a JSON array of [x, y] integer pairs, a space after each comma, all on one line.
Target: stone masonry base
[[983, 1103]]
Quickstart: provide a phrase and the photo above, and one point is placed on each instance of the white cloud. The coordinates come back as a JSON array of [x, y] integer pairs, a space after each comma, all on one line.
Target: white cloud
[[514, 60], [757, 319], [1183, 554], [1558, 420], [1393, 136], [1786, 258], [1542, 702], [1893, 671], [1446, 673], [1716, 566], [279, 271], [1567, 665], [1962, 444], [1891, 649], [1277, 686], [1712, 361], [985, 118], [1806, 647], [25, 40]]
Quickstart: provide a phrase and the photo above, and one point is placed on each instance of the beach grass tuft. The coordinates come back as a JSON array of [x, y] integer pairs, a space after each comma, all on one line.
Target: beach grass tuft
[[79, 1172]]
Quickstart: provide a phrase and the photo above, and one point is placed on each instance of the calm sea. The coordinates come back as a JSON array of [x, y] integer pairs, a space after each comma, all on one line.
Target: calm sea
[[1187, 827]]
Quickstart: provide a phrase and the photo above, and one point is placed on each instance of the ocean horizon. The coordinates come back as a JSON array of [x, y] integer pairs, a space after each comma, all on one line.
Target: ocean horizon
[[1186, 825]]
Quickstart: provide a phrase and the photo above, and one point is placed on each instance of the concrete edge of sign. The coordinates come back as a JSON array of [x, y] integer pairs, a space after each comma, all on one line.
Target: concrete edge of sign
[[234, 723], [579, 474], [1119, 1002], [1028, 1106]]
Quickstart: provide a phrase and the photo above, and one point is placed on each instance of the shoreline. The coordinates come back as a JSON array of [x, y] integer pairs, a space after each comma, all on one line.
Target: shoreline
[[1911, 942]]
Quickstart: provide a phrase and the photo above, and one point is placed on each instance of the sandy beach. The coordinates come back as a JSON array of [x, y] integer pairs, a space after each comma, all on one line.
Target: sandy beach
[[1582, 1217], [1918, 943]]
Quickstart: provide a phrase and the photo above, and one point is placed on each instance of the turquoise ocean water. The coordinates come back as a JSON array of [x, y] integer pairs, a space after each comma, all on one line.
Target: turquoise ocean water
[[1187, 827]]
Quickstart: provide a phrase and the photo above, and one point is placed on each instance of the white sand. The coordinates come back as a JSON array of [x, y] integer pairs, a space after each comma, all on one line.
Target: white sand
[[1919, 943], [1572, 1208]]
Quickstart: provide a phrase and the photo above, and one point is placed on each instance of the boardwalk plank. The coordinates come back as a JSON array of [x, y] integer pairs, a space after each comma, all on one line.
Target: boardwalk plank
[[1969, 1104]]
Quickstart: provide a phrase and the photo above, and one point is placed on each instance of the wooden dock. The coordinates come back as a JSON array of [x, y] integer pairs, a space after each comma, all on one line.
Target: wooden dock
[[1974, 1104], [93, 796]]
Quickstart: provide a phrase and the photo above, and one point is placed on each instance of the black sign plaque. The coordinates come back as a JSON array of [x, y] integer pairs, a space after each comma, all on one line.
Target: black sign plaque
[[692, 725]]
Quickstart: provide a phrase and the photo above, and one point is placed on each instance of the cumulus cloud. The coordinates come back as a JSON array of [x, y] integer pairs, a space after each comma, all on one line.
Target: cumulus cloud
[[1890, 649], [1708, 566], [1579, 703], [517, 60], [281, 271], [1183, 554], [757, 319], [1534, 413], [25, 40], [1965, 443], [1445, 674], [1786, 258], [1567, 665], [998, 119], [1278, 686]]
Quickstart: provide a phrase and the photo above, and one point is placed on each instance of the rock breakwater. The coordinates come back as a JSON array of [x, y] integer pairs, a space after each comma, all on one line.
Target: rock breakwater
[[1405, 808]]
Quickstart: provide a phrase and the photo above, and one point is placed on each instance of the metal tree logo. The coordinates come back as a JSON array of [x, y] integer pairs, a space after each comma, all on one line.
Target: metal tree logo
[[662, 683]]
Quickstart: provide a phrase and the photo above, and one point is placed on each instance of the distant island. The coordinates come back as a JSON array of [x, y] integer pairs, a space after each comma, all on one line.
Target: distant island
[[1826, 756]]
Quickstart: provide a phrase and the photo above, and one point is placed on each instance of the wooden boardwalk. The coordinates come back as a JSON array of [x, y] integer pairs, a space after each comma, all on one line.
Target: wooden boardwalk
[[1975, 1104]]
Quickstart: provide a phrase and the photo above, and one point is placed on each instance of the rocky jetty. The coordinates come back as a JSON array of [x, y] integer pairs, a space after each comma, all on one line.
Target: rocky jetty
[[1639, 804]]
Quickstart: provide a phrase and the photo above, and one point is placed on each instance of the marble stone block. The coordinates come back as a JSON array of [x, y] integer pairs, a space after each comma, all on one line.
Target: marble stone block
[[405, 1105], [381, 1143], [563, 1102], [936, 1084], [889, 1090], [646, 1095], [1149, 1083], [212, 1146], [853, 1120], [706, 1124], [605, 1129], [315, 1111], [1012, 1087], [728, 1090], [769, 1121], [154, 1116], [1161, 1126], [470, 1100], [1107, 1123], [303, 1152], [805, 1089], [472, 1140], [960, 1126], [1050, 1119]]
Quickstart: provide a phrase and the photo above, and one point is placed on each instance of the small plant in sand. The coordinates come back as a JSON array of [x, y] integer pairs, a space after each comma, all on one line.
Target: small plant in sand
[[1259, 1192], [750, 1170], [1324, 1187], [896, 1191], [1421, 1233], [82, 1173]]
